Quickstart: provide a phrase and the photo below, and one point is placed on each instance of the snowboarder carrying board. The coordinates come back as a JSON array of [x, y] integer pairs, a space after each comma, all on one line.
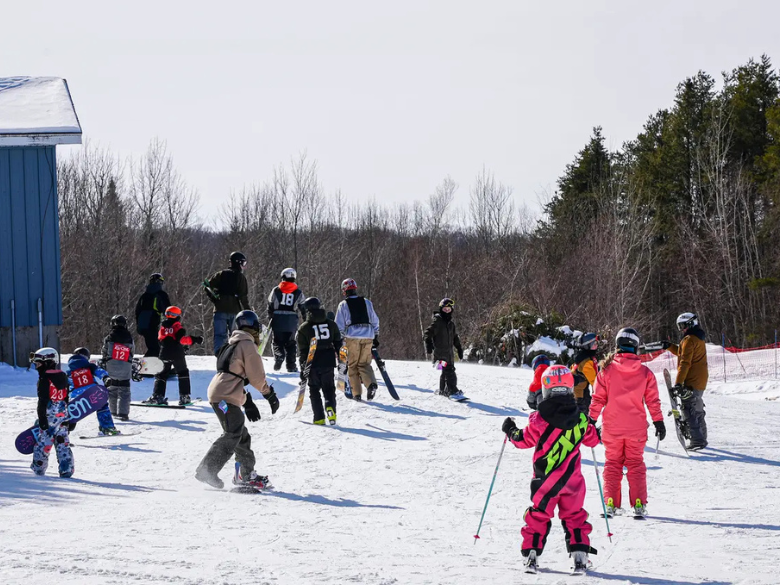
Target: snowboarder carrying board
[[359, 326]]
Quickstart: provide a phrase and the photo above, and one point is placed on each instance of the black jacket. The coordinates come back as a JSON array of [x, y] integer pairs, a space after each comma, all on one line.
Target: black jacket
[[59, 380], [232, 290], [328, 339], [150, 307], [441, 337]]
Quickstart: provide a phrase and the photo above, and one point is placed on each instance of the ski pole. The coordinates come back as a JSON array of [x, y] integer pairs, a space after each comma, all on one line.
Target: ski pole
[[490, 491], [601, 492], [657, 444]]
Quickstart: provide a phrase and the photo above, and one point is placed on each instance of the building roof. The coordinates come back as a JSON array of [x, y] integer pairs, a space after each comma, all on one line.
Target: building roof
[[37, 111]]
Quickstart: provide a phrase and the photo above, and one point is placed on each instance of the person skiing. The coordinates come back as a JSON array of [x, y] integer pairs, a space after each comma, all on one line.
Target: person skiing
[[173, 341], [539, 364], [284, 302], [440, 339], [148, 311], [359, 326], [82, 372], [238, 364], [623, 388], [321, 374], [692, 376], [585, 369], [53, 414], [228, 290], [118, 349], [555, 432]]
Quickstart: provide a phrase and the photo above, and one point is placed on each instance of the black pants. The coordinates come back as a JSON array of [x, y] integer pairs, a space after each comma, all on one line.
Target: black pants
[[694, 416], [285, 348], [152, 343], [178, 365], [321, 378], [448, 381], [235, 439]]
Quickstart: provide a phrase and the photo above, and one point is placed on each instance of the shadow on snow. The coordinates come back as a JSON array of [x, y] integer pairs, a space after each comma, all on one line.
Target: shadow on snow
[[324, 501]]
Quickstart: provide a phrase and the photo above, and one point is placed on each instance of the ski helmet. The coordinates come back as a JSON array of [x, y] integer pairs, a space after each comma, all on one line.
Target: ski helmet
[[447, 305], [173, 312], [557, 381], [237, 259], [540, 360], [587, 341], [46, 356], [289, 274], [156, 277], [686, 321], [348, 284], [312, 303], [627, 339], [119, 321], [247, 320], [82, 351]]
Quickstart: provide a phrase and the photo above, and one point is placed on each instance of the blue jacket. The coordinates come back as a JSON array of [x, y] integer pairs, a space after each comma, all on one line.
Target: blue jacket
[[79, 362]]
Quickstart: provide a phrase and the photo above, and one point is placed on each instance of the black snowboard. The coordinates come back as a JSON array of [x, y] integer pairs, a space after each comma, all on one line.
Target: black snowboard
[[677, 413], [381, 365]]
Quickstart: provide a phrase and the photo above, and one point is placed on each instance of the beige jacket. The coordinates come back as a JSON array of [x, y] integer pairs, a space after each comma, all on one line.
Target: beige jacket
[[247, 364]]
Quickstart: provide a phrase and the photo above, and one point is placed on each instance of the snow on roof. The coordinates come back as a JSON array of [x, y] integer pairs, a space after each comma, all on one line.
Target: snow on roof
[[37, 110]]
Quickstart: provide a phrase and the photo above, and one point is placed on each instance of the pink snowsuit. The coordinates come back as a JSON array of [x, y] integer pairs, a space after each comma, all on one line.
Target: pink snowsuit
[[622, 390], [557, 478]]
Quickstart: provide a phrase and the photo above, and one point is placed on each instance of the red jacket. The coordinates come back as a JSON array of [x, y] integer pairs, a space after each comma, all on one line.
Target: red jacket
[[622, 390], [536, 385]]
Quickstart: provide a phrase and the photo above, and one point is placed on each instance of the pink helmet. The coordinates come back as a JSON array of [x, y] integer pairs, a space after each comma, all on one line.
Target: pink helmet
[[557, 381]]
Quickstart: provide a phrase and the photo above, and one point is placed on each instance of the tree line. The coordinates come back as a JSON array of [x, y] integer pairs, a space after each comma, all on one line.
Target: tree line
[[684, 217]]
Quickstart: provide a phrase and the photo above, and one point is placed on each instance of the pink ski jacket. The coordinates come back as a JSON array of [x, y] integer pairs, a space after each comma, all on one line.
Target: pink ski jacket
[[622, 390]]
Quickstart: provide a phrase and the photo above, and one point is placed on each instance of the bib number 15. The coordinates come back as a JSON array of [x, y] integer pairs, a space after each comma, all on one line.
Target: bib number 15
[[321, 331]]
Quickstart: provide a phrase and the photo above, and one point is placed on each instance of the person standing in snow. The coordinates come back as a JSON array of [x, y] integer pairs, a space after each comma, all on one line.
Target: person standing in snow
[[359, 326], [238, 364], [148, 313], [692, 377], [624, 387], [585, 369], [555, 432], [440, 339], [228, 290], [284, 302], [118, 349], [82, 372], [539, 364]]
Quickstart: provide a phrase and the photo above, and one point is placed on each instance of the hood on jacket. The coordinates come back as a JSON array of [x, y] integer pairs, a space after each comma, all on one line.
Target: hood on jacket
[[560, 412], [154, 287], [287, 287], [240, 335], [697, 331], [120, 335], [77, 361], [316, 316], [446, 317]]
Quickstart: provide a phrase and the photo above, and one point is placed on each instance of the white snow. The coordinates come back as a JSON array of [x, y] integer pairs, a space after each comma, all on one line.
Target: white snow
[[36, 105], [392, 495], [548, 345]]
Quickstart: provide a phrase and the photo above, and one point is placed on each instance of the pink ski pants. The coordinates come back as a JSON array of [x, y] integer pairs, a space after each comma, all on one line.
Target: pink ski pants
[[628, 453]]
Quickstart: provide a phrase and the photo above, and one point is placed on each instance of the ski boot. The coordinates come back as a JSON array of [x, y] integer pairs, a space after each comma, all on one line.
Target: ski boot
[[371, 391], [639, 509], [357, 398], [581, 562], [293, 369], [156, 400], [278, 365], [695, 446], [109, 431], [123, 417], [331, 415], [610, 508], [320, 422], [185, 400], [531, 563], [211, 479], [258, 482]]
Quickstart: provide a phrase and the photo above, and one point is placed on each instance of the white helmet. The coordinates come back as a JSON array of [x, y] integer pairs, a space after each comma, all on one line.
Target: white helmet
[[686, 321], [46, 354], [289, 274]]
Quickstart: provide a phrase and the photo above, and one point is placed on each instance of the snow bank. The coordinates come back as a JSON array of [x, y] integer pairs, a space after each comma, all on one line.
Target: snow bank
[[548, 345]]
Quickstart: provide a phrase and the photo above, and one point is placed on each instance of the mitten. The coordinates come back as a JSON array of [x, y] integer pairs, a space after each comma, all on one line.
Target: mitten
[[273, 401], [196, 339], [660, 429], [250, 408]]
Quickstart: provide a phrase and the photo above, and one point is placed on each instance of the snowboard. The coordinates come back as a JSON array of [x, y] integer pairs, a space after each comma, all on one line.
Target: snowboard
[[380, 363], [459, 397], [265, 335], [305, 375], [146, 367], [119, 436], [171, 405], [81, 403], [341, 377], [679, 419], [248, 489]]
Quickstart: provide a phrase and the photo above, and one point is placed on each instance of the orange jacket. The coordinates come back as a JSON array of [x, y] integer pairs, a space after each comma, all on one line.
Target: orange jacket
[[692, 368]]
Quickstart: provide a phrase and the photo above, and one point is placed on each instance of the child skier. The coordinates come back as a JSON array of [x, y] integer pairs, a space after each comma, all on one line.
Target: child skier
[[321, 373], [52, 413], [585, 369], [173, 339], [440, 338], [623, 389], [118, 349], [82, 372], [556, 431], [539, 364]]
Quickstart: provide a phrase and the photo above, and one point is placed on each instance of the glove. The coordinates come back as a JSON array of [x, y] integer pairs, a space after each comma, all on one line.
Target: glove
[[460, 353], [375, 343], [683, 392], [531, 399], [302, 374], [43, 426], [429, 348], [597, 429], [196, 339], [509, 426], [660, 429], [666, 344], [250, 408], [273, 401], [107, 381]]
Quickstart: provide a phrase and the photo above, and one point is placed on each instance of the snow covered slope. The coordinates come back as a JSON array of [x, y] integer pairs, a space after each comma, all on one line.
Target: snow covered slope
[[393, 494]]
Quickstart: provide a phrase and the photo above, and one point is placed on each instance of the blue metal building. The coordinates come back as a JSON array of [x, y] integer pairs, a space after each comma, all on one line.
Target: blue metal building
[[36, 114]]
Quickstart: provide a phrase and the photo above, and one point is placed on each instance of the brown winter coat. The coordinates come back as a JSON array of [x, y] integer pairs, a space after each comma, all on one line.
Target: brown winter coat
[[246, 364], [692, 368]]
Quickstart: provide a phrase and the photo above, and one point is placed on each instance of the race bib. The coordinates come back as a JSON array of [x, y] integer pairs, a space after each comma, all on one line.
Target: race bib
[[57, 394], [82, 377], [121, 353]]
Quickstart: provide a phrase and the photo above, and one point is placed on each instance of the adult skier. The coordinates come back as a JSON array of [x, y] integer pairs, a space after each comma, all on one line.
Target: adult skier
[[692, 376], [118, 349], [359, 326], [284, 302], [228, 290], [440, 339], [148, 313], [238, 364], [624, 388], [585, 369]]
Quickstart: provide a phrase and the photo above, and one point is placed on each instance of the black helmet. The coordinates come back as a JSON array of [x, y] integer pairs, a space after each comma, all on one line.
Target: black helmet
[[119, 321], [312, 303], [627, 339], [247, 320], [238, 259], [587, 341], [83, 351], [156, 277]]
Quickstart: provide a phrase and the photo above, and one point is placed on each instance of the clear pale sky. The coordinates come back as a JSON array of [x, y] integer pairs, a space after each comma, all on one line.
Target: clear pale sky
[[388, 97]]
